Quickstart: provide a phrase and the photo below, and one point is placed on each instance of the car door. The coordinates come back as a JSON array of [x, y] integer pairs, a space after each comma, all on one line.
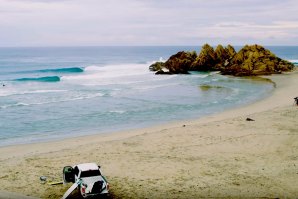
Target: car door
[[68, 174]]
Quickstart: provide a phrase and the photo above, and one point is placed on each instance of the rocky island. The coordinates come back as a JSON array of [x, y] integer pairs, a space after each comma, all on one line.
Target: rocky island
[[251, 60]]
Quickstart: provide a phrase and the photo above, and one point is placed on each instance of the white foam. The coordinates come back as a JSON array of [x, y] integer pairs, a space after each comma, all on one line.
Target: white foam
[[214, 72], [16, 92], [13, 105], [70, 98], [93, 68], [294, 61], [4, 93], [83, 97], [4, 106], [151, 87], [110, 74], [22, 104], [120, 69], [202, 76], [117, 111], [44, 91], [161, 59]]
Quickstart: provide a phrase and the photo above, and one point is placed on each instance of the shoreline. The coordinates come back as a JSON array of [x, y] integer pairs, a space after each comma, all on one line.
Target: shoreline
[[230, 112], [122, 151], [25, 139], [162, 125]]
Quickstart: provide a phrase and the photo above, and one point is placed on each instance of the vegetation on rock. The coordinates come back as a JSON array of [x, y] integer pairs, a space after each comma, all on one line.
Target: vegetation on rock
[[256, 60], [206, 60], [250, 60]]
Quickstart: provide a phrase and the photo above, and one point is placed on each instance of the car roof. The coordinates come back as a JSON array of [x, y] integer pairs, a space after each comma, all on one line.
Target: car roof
[[87, 166]]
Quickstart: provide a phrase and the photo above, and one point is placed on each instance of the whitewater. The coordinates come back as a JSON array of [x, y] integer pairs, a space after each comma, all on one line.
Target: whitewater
[[55, 93]]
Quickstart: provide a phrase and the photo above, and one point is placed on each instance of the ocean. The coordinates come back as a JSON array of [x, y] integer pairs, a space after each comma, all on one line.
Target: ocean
[[53, 93]]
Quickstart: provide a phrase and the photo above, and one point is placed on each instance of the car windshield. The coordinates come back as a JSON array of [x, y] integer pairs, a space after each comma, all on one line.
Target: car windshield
[[90, 173]]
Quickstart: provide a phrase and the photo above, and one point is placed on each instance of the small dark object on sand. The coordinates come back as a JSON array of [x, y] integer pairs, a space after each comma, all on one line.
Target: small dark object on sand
[[184, 125], [296, 100], [249, 119], [43, 179]]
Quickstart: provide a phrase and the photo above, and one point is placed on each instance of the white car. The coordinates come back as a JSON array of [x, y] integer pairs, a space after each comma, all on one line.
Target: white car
[[87, 178]]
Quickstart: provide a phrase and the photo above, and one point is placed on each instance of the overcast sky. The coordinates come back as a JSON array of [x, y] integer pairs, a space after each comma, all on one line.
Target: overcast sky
[[147, 22]]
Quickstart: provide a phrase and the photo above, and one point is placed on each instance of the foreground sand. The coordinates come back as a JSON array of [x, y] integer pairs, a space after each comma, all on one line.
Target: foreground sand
[[218, 156]]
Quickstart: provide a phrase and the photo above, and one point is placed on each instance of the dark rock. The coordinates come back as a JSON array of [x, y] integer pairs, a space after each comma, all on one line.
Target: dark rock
[[180, 63], [249, 119], [250, 60], [206, 60], [230, 51], [223, 55], [296, 100], [256, 60], [157, 66], [161, 72]]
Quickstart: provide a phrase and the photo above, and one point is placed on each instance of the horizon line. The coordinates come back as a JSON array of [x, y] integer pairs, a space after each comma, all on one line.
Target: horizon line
[[89, 46]]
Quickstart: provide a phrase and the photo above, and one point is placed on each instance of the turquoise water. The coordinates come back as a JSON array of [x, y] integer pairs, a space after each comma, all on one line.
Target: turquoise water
[[52, 93]]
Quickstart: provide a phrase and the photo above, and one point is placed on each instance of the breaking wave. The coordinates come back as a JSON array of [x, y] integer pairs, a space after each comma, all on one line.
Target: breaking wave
[[63, 70], [54, 70], [40, 79], [295, 62]]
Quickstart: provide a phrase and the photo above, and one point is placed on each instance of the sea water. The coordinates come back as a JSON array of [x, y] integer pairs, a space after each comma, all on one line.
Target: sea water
[[54, 93]]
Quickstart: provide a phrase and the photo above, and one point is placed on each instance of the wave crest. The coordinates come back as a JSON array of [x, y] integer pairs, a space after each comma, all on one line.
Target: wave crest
[[40, 79], [63, 70], [294, 61], [54, 70]]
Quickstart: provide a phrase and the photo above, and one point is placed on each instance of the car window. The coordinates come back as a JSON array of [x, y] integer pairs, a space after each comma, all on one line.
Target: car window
[[90, 173]]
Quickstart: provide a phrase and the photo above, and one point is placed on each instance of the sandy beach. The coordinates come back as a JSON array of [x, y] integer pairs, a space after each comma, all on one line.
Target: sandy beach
[[222, 155]]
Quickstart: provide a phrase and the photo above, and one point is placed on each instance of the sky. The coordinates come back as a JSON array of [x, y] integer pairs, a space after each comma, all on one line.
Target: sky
[[147, 22]]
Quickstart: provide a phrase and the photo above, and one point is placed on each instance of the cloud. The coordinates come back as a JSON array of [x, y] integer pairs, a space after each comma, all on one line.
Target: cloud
[[278, 30], [147, 22]]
